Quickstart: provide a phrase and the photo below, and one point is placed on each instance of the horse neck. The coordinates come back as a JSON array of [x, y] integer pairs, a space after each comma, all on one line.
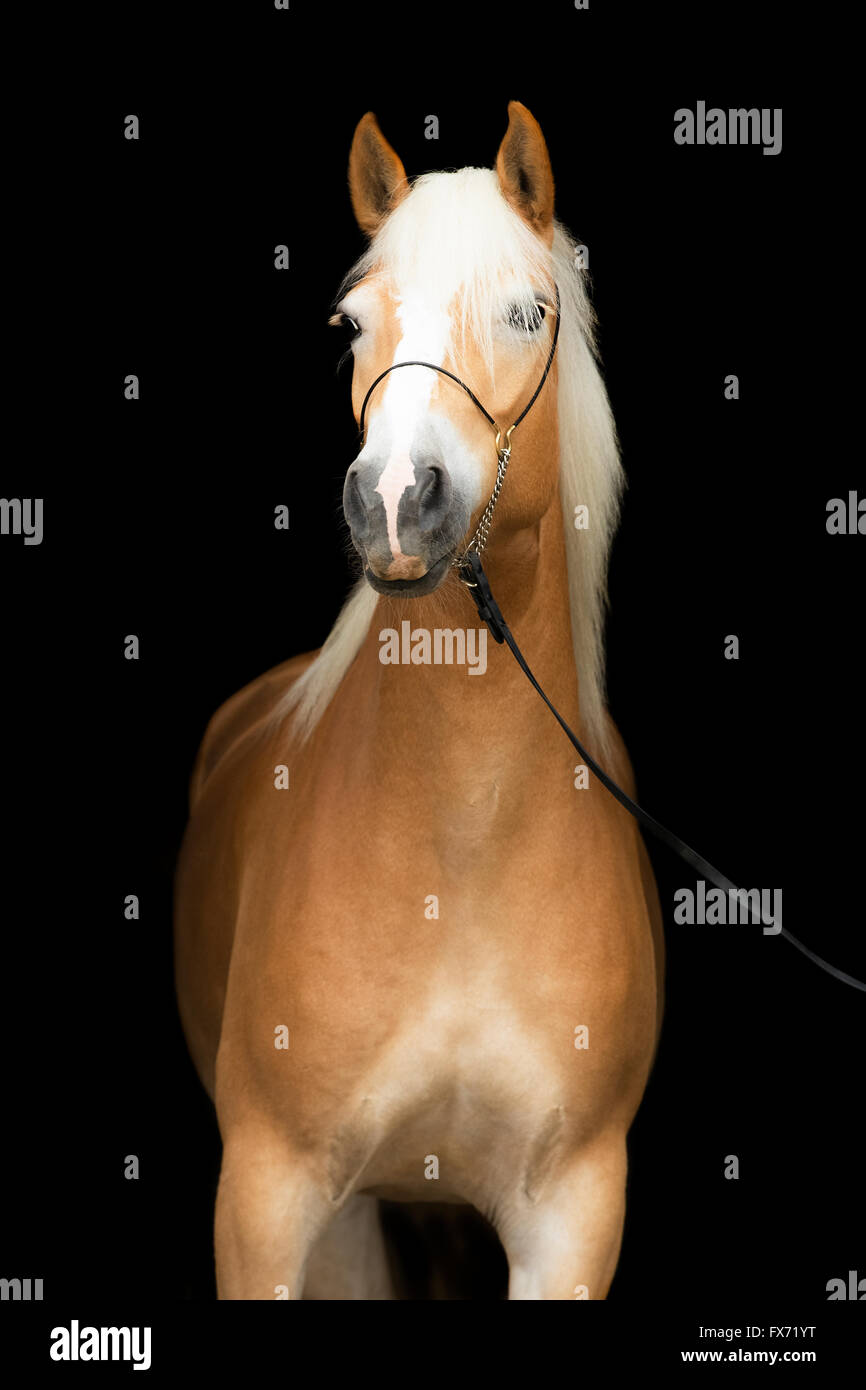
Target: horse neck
[[455, 730]]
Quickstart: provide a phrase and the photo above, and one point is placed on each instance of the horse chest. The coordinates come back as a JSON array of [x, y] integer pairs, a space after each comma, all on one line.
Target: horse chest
[[441, 1018], [453, 1075], [452, 1106]]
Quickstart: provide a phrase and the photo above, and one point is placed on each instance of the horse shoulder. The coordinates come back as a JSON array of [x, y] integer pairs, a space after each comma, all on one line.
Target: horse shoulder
[[241, 713]]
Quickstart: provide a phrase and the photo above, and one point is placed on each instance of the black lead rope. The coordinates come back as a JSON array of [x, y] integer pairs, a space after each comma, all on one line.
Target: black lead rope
[[470, 564], [491, 614]]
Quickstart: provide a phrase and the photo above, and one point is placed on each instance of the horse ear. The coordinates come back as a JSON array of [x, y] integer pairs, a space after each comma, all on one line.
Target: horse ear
[[523, 167], [377, 179]]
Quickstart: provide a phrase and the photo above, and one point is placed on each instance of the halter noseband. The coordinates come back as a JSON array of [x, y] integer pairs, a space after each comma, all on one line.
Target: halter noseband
[[503, 451]]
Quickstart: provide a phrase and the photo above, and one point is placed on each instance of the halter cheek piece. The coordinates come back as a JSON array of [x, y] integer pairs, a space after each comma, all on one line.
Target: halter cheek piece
[[471, 572]]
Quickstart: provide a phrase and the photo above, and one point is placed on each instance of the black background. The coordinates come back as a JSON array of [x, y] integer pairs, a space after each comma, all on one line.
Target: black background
[[158, 521]]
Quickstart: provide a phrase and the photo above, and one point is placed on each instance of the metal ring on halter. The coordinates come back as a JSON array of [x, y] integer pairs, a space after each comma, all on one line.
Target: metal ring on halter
[[508, 433]]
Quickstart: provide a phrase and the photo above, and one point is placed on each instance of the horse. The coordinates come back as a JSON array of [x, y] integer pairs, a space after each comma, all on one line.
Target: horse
[[419, 954]]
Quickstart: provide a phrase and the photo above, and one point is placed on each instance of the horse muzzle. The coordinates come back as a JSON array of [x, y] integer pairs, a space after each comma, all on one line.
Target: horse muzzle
[[406, 523]]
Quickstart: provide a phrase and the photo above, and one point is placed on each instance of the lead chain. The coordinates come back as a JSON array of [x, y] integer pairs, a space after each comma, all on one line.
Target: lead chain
[[482, 530]]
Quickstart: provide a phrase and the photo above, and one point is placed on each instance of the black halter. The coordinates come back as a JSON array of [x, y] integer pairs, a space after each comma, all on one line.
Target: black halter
[[474, 578], [503, 451]]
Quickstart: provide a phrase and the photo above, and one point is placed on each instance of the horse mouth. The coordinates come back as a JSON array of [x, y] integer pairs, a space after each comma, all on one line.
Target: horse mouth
[[410, 588]]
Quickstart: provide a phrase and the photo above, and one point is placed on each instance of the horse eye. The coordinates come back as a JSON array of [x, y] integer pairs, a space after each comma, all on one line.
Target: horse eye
[[526, 318], [350, 329]]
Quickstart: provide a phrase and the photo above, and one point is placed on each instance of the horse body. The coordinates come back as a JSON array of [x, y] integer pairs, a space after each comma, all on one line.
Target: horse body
[[438, 917]]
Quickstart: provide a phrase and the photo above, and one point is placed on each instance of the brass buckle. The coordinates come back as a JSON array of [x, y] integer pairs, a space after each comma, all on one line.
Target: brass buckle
[[506, 447]]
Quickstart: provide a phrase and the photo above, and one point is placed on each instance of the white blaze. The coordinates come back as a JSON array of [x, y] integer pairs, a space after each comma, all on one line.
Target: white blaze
[[407, 396]]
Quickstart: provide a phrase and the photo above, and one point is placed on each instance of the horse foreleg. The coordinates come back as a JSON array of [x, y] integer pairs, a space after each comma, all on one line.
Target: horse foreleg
[[269, 1212], [348, 1261], [566, 1245]]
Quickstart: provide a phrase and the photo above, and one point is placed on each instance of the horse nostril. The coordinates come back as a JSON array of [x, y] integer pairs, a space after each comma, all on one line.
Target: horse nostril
[[354, 507], [429, 486], [434, 497]]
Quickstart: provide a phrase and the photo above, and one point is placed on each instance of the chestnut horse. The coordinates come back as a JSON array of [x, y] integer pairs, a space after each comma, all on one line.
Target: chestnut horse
[[418, 952]]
